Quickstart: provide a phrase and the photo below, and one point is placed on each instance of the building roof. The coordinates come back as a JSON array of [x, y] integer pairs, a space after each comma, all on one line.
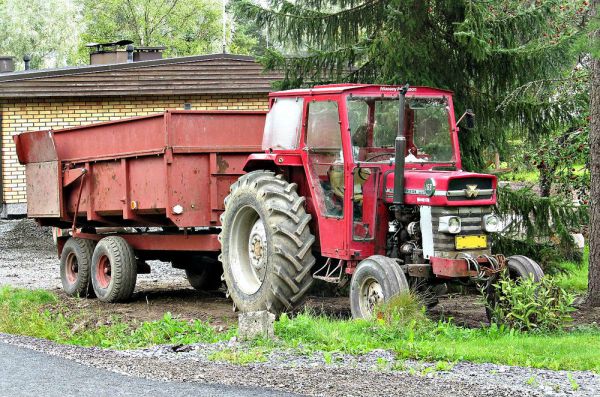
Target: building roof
[[204, 74]]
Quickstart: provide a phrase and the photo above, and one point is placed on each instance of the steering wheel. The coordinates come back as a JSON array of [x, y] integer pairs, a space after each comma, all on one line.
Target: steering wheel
[[379, 155]]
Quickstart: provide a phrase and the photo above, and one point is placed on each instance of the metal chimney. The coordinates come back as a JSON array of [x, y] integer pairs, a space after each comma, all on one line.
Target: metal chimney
[[7, 64], [129, 50], [27, 60]]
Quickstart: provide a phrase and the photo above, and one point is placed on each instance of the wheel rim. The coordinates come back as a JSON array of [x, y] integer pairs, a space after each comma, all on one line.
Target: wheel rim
[[371, 295], [72, 268], [248, 251], [103, 272]]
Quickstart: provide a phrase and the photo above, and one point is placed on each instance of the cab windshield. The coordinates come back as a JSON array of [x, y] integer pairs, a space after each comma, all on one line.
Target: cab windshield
[[374, 125]]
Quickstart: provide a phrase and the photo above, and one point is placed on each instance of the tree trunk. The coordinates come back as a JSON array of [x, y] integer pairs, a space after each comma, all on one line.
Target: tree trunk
[[594, 274]]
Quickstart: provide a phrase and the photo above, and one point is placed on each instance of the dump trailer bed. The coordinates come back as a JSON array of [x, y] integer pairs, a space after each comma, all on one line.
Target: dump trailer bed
[[169, 172]]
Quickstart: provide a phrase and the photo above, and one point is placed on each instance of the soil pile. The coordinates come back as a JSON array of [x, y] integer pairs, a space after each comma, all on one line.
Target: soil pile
[[26, 234]]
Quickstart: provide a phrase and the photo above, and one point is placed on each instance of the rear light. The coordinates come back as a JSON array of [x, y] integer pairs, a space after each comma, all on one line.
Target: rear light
[[449, 224]]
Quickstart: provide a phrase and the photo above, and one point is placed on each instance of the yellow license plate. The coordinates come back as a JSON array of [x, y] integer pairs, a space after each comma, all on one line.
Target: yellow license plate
[[470, 242]]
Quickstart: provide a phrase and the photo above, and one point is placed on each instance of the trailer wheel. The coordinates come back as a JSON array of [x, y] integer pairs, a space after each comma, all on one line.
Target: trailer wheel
[[266, 244], [375, 281], [204, 275], [75, 267], [114, 270]]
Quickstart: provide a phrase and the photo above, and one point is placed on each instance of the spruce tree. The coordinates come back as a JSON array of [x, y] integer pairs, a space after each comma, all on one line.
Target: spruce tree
[[509, 60], [481, 50]]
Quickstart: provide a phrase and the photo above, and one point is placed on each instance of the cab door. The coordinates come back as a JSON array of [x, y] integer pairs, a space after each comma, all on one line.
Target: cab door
[[326, 170]]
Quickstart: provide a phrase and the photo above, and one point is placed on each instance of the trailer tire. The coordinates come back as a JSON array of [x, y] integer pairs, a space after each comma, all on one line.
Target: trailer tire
[[75, 267], [376, 280], [266, 244], [114, 270], [203, 276]]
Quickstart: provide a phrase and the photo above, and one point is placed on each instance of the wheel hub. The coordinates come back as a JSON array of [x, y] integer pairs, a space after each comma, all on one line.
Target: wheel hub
[[373, 295], [257, 245], [72, 268]]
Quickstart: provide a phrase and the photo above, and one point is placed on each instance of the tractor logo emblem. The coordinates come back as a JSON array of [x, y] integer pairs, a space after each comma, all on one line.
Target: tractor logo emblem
[[429, 187], [471, 191]]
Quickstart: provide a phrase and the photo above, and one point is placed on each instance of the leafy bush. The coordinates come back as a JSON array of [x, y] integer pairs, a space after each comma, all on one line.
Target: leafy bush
[[527, 305]]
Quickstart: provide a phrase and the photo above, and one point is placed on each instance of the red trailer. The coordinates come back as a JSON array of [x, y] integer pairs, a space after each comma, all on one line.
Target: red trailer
[[344, 181]]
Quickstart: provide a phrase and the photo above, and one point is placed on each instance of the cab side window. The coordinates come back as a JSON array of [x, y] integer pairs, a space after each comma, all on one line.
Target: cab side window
[[326, 160]]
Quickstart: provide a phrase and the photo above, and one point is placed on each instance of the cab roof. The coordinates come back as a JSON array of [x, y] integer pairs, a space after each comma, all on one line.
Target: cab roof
[[365, 89]]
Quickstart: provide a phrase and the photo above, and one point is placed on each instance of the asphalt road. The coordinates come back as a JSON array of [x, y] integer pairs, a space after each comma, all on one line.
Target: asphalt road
[[25, 372]]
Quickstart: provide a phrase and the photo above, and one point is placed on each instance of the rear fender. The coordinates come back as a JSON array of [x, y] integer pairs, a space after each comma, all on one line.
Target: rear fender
[[271, 161]]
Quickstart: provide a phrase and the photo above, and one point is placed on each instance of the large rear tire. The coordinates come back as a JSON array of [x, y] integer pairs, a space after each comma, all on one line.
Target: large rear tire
[[114, 270], [266, 244], [75, 267], [375, 281]]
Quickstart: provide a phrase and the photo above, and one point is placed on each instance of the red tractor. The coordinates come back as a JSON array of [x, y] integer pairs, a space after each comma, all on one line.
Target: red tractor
[[366, 181], [359, 182]]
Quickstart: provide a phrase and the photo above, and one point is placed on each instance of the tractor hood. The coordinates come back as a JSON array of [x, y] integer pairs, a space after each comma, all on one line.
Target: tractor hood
[[447, 188]]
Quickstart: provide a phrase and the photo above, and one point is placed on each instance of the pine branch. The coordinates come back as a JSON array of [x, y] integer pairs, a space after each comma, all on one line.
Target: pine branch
[[302, 26]]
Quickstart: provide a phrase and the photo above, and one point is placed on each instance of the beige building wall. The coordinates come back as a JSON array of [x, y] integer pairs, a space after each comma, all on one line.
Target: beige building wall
[[42, 114]]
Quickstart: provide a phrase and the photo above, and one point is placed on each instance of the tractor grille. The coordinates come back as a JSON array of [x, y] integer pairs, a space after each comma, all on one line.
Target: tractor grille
[[471, 222], [458, 189]]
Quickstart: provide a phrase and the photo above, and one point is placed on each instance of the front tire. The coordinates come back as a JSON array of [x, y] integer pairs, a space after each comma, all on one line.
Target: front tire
[[114, 270], [266, 244], [519, 267], [522, 267], [376, 280], [75, 267]]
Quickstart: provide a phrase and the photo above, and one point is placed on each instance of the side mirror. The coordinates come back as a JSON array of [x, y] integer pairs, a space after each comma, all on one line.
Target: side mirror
[[470, 118]]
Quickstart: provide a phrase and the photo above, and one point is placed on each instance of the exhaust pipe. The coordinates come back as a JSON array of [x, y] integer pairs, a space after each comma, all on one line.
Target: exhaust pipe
[[400, 147]]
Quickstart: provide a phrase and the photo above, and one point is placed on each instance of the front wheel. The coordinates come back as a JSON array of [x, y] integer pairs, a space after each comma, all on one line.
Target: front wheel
[[519, 268], [266, 244], [376, 280]]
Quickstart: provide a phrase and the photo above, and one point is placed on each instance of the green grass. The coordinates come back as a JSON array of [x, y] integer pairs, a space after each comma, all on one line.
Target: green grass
[[532, 176], [28, 313], [24, 312], [239, 356], [574, 350], [575, 276]]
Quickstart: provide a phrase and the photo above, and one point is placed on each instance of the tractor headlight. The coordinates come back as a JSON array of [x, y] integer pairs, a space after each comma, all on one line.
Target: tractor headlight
[[491, 223], [449, 224]]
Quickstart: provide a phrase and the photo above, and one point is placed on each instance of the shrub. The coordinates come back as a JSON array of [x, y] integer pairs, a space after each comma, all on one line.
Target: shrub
[[527, 305], [402, 309]]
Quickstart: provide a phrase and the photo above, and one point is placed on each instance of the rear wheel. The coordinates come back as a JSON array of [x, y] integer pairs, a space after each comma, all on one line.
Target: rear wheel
[[75, 267], [266, 244], [376, 280], [203, 273], [114, 270]]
